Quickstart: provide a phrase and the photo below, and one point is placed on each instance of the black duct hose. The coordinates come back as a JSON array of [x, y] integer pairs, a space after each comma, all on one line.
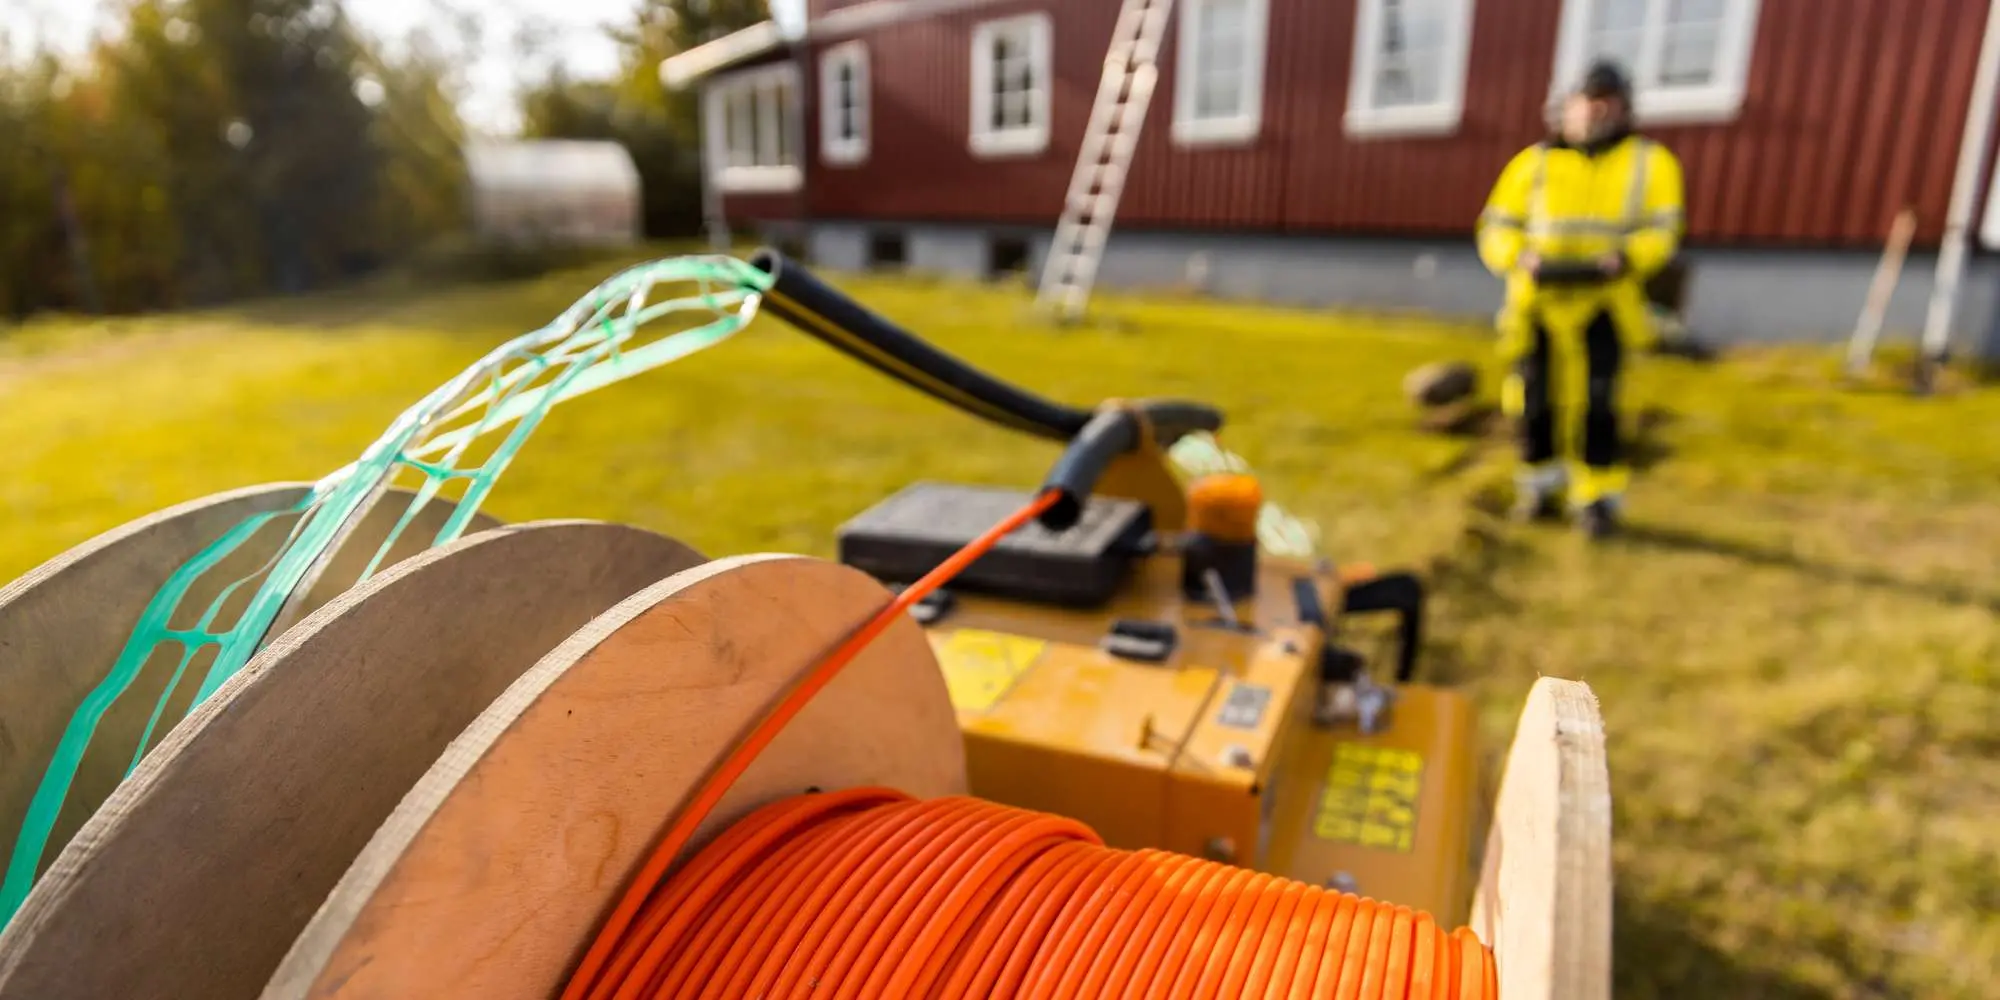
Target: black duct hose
[[820, 310], [1402, 593], [1095, 439], [1111, 433]]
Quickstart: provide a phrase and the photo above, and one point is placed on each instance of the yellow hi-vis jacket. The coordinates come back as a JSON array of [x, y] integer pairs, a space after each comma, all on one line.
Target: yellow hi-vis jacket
[[1569, 206]]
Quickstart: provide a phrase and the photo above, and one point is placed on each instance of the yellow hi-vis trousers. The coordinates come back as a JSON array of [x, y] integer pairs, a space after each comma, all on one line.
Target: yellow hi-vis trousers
[[1563, 396]]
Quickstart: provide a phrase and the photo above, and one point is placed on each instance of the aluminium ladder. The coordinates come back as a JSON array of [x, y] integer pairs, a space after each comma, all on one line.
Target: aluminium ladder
[[1131, 69]]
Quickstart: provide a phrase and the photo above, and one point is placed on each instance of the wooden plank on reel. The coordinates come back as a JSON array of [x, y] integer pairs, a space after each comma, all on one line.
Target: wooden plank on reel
[[496, 869], [64, 624], [1544, 898], [198, 872]]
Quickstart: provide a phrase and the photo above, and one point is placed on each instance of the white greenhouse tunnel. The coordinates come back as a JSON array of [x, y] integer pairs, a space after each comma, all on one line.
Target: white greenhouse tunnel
[[572, 192]]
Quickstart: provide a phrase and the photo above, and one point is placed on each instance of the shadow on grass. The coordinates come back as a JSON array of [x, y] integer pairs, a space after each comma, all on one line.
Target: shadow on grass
[[1677, 540], [1467, 458], [320, 311], [1657, 955], [477, 271], [1487, 431], [1646, 446], [1463, 580]]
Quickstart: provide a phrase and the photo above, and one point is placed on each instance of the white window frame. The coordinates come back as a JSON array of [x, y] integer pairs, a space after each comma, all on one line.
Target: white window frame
[[1237, 129], [1038, 32], [835, 149], [763, 84], [1718, 101], [1366, 120]]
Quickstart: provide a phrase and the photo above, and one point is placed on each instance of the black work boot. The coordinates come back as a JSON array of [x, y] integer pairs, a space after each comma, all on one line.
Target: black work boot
[[1598, 519], [1538, 492]]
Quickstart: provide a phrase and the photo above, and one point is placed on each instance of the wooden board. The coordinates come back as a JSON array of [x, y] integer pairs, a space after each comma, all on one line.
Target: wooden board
[[496, 870], [64, 624], [196, 875], [1544, 898]]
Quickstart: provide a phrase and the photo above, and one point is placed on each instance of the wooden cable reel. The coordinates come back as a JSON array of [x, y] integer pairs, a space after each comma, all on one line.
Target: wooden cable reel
[[490, 877], [399, 848], [65, 622], [197, 872]]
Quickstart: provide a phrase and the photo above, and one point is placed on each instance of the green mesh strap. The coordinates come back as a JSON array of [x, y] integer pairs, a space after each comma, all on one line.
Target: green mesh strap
[[591, 345]]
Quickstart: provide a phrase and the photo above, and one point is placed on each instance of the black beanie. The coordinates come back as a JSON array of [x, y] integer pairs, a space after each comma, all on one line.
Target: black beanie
[[1604, 79]]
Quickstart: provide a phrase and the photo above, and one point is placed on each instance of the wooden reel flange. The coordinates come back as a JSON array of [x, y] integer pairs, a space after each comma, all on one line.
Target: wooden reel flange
[[492, 874], [199, 871], [64, 624], [1544, 898]]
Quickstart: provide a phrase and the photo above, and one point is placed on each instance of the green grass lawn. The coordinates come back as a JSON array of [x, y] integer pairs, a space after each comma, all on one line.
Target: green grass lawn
[[1795, 648]]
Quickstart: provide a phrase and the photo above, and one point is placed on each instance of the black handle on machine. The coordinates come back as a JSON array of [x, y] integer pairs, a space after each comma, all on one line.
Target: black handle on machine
[[1111, 433], [1402, 593]]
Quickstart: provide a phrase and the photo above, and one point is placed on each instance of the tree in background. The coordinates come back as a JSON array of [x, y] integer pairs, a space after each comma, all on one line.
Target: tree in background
[[29, 240], [292, 133], [659, 129], [212, 149], [412, 93]]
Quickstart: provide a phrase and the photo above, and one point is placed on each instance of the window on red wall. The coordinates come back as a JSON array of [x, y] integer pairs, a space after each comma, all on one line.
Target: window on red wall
[[752, 123], [1011, 68], [1688, 59], [844, 100], [1219, 71], [1409, 67]]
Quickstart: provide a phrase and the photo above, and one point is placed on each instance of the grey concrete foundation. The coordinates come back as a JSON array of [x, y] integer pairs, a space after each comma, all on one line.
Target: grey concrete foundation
[[1735, 296], [838, 248]]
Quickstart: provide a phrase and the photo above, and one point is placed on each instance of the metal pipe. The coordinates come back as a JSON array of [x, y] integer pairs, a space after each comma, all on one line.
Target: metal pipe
[[1964, 193], [804, 102], [713, 219]]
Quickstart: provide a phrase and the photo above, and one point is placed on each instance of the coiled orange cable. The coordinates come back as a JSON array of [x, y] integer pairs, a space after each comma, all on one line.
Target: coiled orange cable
[[868, 893]]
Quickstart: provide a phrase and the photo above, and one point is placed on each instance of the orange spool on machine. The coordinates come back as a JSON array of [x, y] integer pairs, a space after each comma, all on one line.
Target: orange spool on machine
[[1085, 740]]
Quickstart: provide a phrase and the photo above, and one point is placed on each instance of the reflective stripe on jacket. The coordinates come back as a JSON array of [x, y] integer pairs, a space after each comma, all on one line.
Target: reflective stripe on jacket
[[1568, 205]]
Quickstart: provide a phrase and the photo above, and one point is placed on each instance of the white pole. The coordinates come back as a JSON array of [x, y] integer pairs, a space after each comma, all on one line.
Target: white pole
[[709, 126], [1964, 192]]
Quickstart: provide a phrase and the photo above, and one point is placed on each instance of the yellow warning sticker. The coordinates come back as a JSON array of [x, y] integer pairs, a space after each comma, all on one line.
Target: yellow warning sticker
[[1371, 797], [980, 666]]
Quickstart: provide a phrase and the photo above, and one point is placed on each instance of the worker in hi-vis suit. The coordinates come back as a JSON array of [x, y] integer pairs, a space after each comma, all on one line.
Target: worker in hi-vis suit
[[1576, 225]]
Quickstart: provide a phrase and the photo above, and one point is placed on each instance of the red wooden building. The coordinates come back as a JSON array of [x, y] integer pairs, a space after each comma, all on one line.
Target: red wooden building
[[1291, 139]]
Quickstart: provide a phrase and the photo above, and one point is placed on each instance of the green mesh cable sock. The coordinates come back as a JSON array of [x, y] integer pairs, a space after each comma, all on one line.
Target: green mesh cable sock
[[591, 345]]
